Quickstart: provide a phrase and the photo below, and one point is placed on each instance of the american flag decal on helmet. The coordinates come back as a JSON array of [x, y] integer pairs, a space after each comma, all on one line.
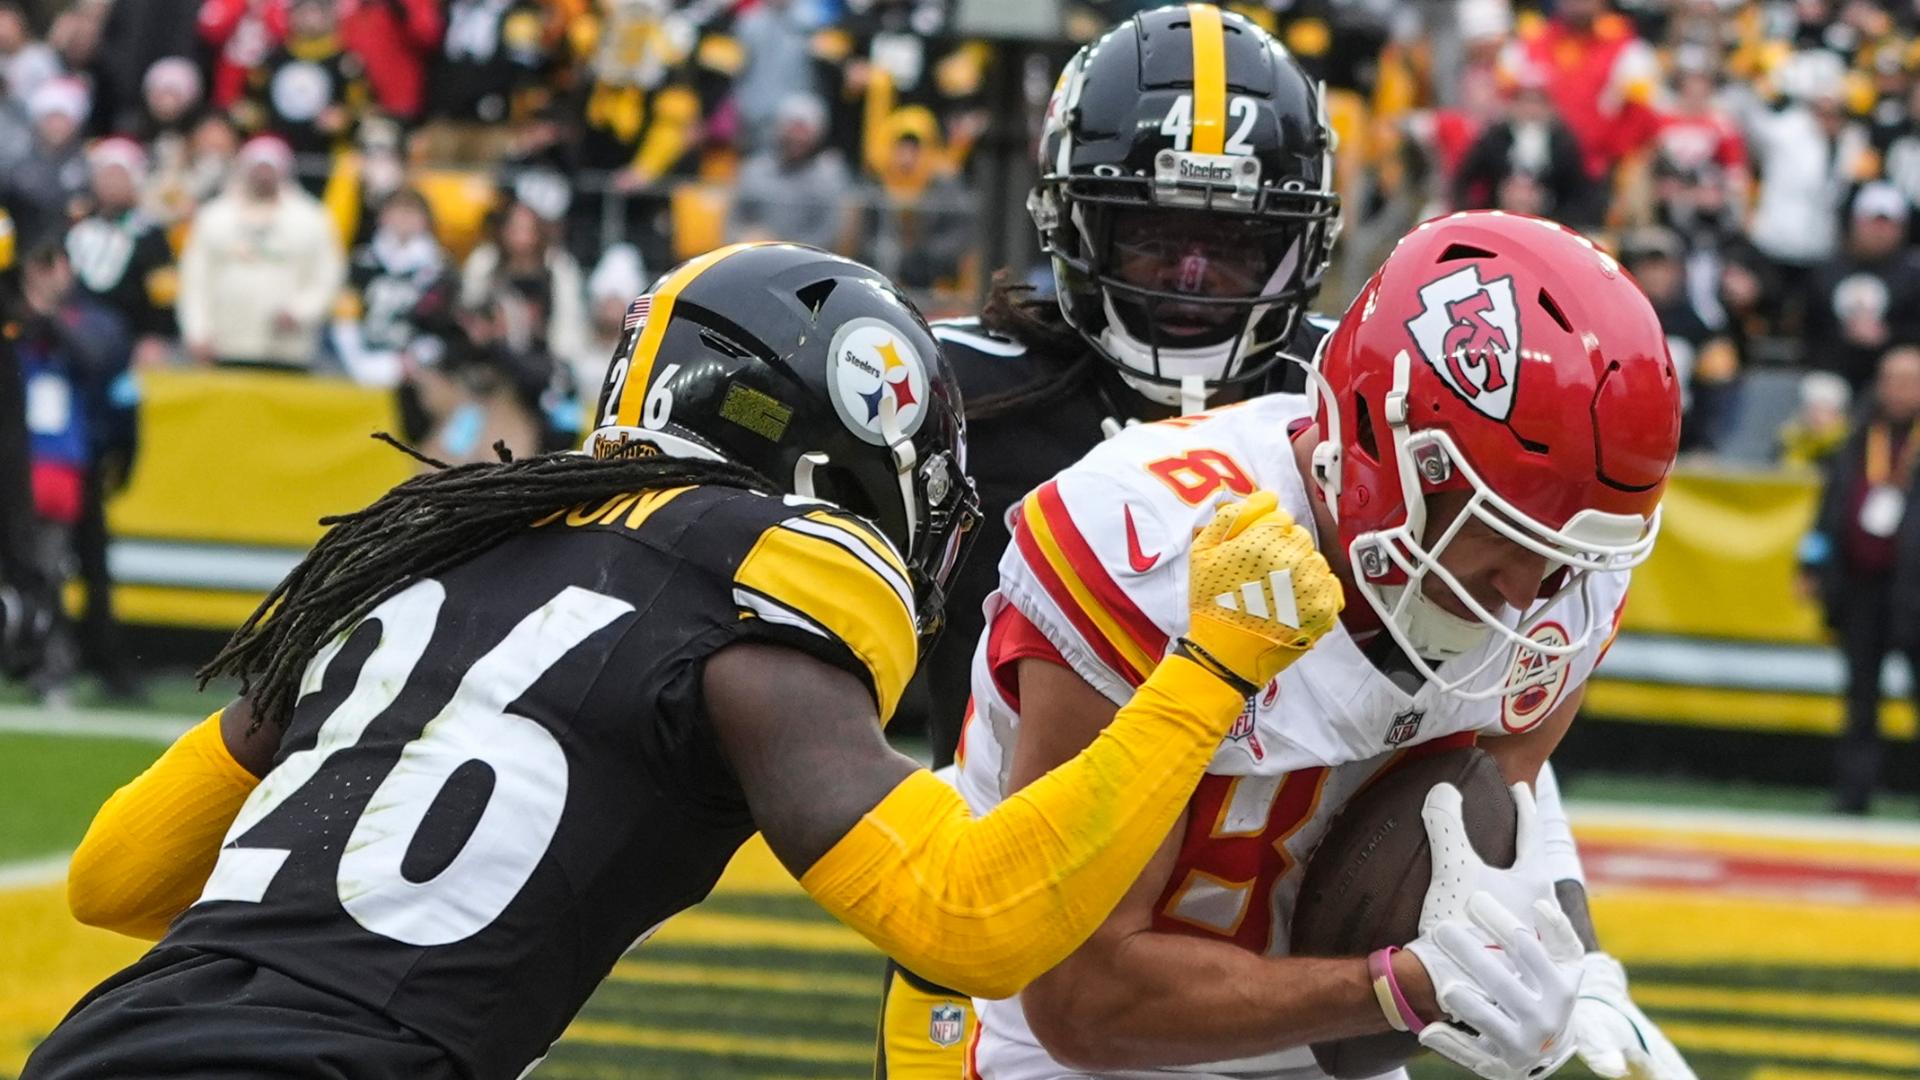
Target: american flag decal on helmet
[[637, 312]]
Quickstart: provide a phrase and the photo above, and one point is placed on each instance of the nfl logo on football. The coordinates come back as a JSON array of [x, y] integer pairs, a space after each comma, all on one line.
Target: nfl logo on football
[[946, 1024]]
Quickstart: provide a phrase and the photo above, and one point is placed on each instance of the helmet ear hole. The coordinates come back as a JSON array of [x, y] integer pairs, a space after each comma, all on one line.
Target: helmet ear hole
[[837, 485]]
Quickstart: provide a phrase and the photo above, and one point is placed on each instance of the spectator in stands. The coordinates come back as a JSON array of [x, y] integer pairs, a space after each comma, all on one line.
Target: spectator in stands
[[261, 268], [170, 104], [24, 62], [122, 259], [242, 33], [524, 257], [135, 37], [1695, 132], [779, 64], [73, 354], [1819, 426], [1528, 154], [41, 190], [1899, 146], [74, 35], [617, 279], [1705, 360], [1808, 154], [395, 40], [795, 189], [387, 277], [185, 176], [492, 50], [308, 92], [1600, 76], [1861, 559], [1868, 297], [917, 226]]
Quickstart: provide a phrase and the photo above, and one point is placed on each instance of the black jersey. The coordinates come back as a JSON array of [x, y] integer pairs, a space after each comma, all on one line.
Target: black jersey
[[494, 785], [1010, 454]]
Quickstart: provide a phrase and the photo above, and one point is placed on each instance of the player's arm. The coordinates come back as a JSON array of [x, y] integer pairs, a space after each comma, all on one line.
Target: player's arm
[[1614, 1037], [150, 848], [1136, 998], [985, 905]]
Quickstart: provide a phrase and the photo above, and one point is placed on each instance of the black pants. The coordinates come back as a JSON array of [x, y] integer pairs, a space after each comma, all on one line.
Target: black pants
[[1867, 635]]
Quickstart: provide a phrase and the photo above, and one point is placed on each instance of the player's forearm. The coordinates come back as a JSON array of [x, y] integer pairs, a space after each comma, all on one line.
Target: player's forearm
[[1556, 835], [987, 905], [1157, 1000], [148, 852]]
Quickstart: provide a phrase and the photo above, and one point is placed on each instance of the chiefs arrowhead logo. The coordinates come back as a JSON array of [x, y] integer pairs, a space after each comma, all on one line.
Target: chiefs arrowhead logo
[[1468, 331], [1139, 560]]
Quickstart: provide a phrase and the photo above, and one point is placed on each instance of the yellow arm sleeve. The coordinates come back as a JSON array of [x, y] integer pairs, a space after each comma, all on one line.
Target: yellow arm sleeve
[[150, 848], [986, 906]]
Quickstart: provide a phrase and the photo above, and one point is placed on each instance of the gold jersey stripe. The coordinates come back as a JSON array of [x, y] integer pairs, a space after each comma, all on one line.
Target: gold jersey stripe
[[839, 592], [1209, 79], [633, 391]]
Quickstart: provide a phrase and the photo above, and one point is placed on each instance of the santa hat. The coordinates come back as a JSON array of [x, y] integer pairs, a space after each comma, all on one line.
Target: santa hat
[[66, 97], [175, 73], [121, 151], [267, 150]]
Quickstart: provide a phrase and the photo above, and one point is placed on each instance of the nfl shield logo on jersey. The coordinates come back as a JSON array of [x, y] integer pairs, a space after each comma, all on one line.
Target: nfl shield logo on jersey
[[1405, 726], [946, 1024]]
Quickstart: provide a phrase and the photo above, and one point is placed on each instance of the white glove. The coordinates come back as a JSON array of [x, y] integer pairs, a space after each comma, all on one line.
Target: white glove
[[1614, 1037], [1458, 871], [1513, 981]]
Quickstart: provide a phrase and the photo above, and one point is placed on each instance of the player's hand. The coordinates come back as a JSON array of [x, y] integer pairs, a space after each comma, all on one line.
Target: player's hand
[[1507, 985], [1614, 1037], [1458, 870], [1259, 595]]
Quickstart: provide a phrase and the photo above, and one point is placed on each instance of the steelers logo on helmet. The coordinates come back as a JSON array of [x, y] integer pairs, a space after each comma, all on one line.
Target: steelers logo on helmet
[[1524, 711], [870, 371]]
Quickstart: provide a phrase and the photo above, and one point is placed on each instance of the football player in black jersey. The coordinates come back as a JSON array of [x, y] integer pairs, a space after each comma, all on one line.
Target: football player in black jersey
[[1185, 202], [510, 717]]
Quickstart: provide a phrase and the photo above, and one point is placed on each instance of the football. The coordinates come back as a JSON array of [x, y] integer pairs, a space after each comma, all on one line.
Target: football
[[1366, 880]]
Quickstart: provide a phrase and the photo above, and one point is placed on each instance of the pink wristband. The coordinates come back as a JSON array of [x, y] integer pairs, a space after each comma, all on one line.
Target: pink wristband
[[1386, 990]]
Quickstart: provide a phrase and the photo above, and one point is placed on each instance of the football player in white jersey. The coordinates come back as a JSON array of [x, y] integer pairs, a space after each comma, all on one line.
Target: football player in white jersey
[[1481, 456]]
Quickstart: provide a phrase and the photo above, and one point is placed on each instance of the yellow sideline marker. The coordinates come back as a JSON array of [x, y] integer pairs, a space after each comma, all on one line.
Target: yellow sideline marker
[[1872, 1008], [1688, 927], [608, 1033], [1764, 1042]]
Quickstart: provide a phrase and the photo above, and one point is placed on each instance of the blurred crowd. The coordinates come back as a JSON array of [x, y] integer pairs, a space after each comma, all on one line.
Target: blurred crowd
[[455, 200]]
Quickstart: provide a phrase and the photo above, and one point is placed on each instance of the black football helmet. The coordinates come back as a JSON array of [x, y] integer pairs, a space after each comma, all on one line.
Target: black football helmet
[[1185, 197], [817, 372]]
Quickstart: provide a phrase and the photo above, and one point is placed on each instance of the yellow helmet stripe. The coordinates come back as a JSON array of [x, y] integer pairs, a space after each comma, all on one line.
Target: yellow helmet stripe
[[633, 392], [1209, 79]]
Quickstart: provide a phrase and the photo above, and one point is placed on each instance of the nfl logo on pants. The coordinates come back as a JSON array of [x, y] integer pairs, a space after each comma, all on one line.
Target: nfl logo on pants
[[946, 1024]]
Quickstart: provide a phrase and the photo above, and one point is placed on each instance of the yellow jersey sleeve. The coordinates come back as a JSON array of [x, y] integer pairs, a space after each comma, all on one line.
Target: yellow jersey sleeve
[[826, 582]]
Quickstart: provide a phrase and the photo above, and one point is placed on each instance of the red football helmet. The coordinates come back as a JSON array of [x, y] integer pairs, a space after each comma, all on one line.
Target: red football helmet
[[1507, 358]]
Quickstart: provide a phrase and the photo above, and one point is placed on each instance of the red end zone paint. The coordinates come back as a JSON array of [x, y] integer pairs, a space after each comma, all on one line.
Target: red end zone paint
[[1819, 880]]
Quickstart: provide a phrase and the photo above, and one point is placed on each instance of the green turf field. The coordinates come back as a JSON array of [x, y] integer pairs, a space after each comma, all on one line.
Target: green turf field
[[765, 985]]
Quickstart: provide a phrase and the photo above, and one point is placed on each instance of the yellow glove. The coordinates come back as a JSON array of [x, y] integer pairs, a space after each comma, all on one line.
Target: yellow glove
[[1258, 593]]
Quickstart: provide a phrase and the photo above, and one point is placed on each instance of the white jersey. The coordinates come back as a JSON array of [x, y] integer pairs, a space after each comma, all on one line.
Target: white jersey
[[1098, 565]]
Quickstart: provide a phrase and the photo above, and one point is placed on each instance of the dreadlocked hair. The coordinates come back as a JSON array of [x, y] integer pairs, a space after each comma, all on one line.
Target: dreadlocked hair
[[416, 530], [1014, 311]]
